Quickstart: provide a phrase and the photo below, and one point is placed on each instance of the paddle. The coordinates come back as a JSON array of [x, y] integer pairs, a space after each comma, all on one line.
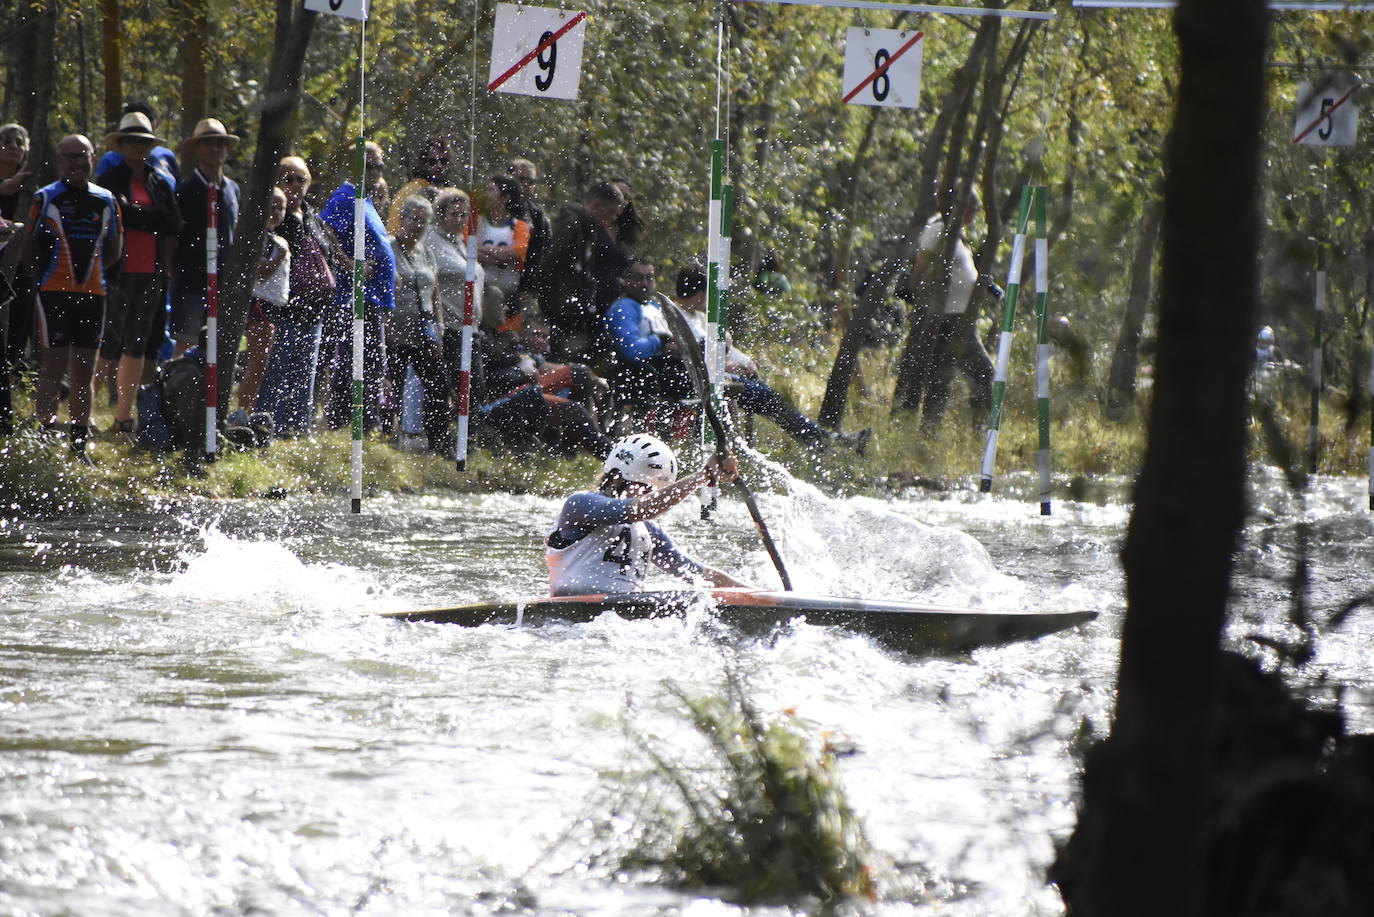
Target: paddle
[[695, 362]]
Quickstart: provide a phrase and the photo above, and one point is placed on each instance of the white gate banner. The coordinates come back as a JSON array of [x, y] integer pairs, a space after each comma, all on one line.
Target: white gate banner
[[883, 67], [537, 51], [349, 9], [1326, 114]]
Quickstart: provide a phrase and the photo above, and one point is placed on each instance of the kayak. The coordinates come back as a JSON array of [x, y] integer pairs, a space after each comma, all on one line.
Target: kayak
[[916, 629]]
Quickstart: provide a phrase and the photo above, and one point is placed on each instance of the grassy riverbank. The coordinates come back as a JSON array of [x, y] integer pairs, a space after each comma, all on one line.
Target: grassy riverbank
[[39, 477]]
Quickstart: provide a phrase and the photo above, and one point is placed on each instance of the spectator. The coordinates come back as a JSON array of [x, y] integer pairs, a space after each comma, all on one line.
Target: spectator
[[541, 232], [136, 312], [430, 172], [73, 233], [629, 227], [271, 292], [416, 327], [770, 279], [503, 240], [206, 150], [446, 240], [955, 343], [16, 316], [292, 363], [159, 157], [742, 382], [579, 276], [649, 369], [379, 288]]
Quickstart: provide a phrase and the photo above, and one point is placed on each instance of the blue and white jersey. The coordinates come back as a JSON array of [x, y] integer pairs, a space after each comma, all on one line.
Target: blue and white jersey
[[595, 550]]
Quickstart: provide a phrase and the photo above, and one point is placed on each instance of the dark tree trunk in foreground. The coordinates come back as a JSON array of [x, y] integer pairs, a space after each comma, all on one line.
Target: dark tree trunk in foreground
[[283, 96], [1144, 854], [1126, 354]]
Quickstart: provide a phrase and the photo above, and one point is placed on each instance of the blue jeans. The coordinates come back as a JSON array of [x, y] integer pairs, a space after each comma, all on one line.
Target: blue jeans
[[288, 388]]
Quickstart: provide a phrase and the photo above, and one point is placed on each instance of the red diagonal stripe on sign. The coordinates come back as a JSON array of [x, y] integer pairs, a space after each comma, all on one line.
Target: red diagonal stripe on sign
[[883, 69], [1324, 115], [562, 30]]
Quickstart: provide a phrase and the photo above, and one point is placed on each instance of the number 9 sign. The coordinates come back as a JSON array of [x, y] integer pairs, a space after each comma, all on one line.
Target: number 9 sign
[[537, 51], [883, 67]]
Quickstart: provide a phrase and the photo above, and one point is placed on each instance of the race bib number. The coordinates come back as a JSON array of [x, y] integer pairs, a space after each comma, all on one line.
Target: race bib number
[[537, 51], [883, 67], [349, 9], [1326, 115]]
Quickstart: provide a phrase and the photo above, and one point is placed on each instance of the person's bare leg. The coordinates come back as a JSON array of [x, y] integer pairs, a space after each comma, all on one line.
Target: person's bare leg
[[80, 368], [259, 344], [54, 364], [129, 378]]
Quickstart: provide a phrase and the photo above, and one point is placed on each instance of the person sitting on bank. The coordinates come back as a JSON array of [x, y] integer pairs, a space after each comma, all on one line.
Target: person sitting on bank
[[605, 539]]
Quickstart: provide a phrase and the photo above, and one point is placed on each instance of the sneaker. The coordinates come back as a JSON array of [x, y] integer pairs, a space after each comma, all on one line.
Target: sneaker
[[123, 430], [238, 418], [263, 427]]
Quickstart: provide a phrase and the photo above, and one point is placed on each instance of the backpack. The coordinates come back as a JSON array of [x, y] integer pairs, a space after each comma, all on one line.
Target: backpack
[[171, 408]]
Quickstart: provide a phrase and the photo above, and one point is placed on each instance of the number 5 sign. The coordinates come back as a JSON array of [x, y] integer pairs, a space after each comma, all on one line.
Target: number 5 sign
[[1326, 115], [537, 51], [882, 67]]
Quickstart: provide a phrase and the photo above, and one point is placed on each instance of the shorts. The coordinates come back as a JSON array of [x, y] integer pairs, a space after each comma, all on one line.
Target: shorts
[[188, 307], [137, 315], [70, 319]]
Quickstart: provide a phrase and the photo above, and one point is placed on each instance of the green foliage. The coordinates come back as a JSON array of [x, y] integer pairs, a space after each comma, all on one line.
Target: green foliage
[[764, 817]]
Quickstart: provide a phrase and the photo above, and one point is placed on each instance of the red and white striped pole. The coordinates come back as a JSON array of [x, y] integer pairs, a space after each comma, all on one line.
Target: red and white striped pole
[[211, 318], [465, 351]]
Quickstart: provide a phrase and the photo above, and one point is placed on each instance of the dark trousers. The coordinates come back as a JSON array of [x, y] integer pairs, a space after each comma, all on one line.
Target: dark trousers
[[424, 356], [957, 347]]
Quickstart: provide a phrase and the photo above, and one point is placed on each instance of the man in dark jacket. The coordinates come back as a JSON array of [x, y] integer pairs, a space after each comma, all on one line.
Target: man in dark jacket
[[136, 314]]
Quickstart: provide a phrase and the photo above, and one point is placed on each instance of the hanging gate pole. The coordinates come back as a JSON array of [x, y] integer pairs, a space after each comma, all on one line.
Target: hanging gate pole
[[211, 318], [999, 379]]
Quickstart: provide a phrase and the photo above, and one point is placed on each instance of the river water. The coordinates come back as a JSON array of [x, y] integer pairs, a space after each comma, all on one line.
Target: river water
[[201, 716]]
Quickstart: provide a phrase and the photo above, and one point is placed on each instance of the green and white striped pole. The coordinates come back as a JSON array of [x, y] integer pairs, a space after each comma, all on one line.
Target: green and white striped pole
[[1042, 349], [1316, 379], [718, 324], [714, 216], [999, 379]]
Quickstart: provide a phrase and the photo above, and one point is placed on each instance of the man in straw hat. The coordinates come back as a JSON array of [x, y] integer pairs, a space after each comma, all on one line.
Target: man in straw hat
[[73, 232], [205, 151], [135, 315]]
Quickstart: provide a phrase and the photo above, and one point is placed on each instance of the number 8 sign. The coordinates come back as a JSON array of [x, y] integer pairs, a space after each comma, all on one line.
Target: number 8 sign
[[537, 51], [882, 67]]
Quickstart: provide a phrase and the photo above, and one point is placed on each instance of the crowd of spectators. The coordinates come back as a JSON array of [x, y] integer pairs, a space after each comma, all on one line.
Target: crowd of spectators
[[106, 279]]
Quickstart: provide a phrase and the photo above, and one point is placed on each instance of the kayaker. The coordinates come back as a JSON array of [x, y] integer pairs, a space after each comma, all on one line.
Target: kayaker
[[604, 539]]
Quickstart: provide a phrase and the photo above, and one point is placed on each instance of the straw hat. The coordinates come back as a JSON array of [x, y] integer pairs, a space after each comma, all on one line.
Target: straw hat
[[208, 129], [133, 126]]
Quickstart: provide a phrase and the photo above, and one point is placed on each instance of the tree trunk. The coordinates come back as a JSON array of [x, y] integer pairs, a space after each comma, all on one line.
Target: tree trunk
[[846, 358], [1145, 856], [194, 26], [1125, 356], [282, 98], [111, 57], [37, 65]]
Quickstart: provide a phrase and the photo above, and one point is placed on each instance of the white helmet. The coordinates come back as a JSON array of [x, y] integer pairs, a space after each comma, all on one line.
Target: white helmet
[[1266, 335], [643, 459]]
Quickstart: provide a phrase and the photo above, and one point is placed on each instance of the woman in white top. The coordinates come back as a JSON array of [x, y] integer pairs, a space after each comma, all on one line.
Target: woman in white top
[[447, 241], [503, 239], [272, 289]]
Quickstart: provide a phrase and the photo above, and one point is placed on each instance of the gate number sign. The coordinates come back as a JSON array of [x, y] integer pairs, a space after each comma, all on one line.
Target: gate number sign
[[349, 9], [537, 51], [882, 67], [1326, 115]]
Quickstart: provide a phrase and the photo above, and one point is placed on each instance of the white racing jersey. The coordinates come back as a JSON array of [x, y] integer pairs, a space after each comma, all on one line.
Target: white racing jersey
[[594, 551]]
